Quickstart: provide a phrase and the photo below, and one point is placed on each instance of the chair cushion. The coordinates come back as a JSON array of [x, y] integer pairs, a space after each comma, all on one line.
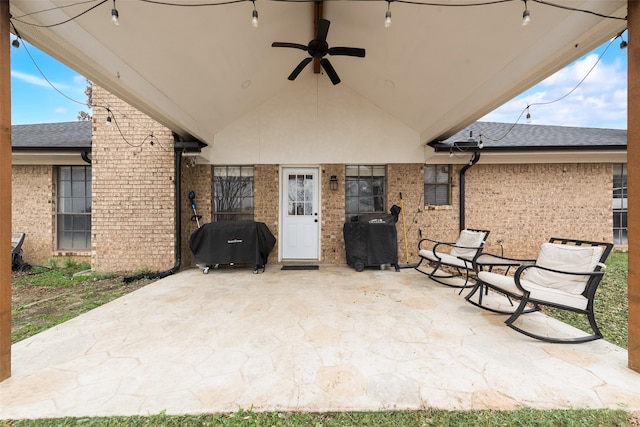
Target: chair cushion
[[565, 258], [473, 239], [536, 292], [445, 259]]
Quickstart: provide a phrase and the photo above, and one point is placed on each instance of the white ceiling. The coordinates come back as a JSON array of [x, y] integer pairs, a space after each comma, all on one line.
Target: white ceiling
[[436, 69]]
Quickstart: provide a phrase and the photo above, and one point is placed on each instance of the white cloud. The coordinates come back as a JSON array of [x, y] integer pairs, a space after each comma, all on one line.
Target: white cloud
[[38, 81], [599, 101], [79, 80]]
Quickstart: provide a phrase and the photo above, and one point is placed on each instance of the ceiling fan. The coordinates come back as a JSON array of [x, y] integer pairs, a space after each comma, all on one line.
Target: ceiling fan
[[318, 48]]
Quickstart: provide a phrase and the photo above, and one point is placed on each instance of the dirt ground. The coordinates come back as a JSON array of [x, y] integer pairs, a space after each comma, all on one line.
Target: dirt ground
[[36, 307]]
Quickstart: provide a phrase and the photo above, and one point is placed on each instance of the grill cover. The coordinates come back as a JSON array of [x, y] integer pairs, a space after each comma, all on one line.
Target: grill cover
[[371, 243], [232, 242]]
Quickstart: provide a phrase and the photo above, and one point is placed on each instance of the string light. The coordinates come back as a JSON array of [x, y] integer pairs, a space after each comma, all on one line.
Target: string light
[[115, 15], [528, 115], [254, 15], [526, 16], [387, 16], [16, 42], [440, 3]]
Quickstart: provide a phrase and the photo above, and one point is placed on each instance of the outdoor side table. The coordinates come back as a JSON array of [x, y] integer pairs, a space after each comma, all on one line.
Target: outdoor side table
[[489, 261]]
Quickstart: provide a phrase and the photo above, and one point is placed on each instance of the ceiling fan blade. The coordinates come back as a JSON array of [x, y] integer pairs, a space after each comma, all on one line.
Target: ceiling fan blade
[[287, 44], [347, 51], [323, 29], [299, 68], [331, 72]]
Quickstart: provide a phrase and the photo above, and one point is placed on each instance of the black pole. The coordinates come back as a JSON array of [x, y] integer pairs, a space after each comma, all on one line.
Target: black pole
[[473, 161]]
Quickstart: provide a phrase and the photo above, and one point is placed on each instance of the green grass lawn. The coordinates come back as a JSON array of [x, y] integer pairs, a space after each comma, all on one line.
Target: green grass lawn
[[611, 313], [439, 418]]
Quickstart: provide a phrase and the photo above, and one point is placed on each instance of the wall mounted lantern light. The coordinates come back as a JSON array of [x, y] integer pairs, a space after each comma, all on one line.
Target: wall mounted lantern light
[[333, 182]]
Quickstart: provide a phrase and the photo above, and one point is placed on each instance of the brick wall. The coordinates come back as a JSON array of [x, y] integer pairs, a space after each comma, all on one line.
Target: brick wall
[[133, 190], [196, 178], [133, 212], [524, 205], [266, 200], [33, 210], [333, 215], [407, 179]]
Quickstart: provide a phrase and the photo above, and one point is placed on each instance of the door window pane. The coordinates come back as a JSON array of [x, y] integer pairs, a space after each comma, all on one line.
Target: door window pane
[[300, 191]]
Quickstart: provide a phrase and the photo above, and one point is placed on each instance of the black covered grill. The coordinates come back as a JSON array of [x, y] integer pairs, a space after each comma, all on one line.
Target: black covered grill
[[232, 242], [371, 240]]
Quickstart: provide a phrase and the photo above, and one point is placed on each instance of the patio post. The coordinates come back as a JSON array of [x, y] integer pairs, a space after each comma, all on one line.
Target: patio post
[[633, 180], [5, 195]]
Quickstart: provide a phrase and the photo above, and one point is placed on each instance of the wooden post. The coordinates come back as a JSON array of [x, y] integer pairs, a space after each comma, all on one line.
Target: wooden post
[[5, 194], [633, 180]]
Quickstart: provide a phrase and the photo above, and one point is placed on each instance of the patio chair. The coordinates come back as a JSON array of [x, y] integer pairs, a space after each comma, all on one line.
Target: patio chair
[[17, 263], [565, 276], [457, 257]]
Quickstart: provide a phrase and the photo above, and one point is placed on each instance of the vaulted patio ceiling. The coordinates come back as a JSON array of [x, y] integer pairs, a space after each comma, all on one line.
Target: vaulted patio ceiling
[[437, 68]]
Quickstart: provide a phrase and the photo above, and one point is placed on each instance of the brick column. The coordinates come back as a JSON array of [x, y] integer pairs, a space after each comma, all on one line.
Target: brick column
[[633, 180]]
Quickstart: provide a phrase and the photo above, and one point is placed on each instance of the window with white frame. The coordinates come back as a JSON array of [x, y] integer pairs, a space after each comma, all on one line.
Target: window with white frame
[[73, 213], [365, 190], [437, 185], [620, 204], [232, 193]]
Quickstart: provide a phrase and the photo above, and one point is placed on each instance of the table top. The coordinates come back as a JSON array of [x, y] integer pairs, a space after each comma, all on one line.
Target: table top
[[493, 260]]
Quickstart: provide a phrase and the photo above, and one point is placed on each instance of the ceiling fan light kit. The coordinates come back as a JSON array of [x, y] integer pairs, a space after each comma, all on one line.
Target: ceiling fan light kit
[[318, 48]]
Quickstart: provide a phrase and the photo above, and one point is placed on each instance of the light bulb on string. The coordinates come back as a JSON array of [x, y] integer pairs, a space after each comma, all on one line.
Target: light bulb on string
[[387, 16], [254, 16], [16, 42], [526, 16], [115, 15], [528, 115]]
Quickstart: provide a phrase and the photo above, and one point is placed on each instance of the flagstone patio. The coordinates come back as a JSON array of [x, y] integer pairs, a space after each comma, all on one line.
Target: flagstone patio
[[327, 340]]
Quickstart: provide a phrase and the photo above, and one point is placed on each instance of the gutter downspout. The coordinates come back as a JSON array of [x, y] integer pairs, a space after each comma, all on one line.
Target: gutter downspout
[[177, 156], [473, 161], [86, 156]]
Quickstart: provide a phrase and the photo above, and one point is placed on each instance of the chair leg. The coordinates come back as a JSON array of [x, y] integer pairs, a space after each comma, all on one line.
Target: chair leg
[[480, 288], [576, 340], [417, 267], [518, 311], [466, 281]]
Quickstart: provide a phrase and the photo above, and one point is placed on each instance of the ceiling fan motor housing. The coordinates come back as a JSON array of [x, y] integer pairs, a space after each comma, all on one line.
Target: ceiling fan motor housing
[[318, 48]]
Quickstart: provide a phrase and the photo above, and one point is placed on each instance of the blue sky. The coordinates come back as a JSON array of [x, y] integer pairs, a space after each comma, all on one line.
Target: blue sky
[[33, 99], [599, 101]]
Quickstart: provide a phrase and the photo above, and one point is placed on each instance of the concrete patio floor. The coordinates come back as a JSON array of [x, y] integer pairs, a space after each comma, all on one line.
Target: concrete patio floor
[[327, 340]]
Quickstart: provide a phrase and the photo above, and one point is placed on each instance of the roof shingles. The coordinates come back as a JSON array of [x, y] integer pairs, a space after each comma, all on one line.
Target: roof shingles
[[522, 136], [65, 135]]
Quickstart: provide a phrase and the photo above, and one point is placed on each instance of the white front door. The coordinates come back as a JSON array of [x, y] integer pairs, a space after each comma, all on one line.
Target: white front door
[[300, 219]]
